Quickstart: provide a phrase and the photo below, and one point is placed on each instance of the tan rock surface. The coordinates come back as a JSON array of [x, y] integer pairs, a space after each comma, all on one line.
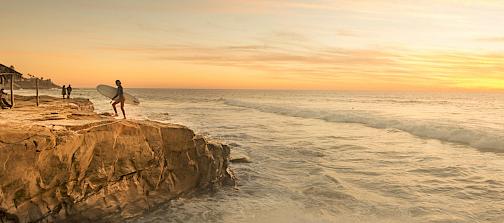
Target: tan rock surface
[[61, 162]]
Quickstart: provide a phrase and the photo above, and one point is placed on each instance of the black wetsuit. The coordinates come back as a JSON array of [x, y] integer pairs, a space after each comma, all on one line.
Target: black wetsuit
[[120, 94]]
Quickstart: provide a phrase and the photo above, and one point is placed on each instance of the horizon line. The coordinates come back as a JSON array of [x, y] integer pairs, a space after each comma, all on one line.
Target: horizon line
[[449, 90]]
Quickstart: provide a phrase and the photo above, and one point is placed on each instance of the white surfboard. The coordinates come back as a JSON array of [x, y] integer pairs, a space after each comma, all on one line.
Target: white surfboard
[[110, 92]]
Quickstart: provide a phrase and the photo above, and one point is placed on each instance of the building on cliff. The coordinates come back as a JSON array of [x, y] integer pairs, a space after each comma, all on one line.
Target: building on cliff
[[22, 81]]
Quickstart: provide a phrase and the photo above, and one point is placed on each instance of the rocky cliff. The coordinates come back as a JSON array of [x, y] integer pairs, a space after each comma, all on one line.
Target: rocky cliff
[[90, 168]]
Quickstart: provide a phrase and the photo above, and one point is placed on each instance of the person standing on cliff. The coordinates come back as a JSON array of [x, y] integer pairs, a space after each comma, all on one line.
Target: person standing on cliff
[[63, 91], [119, 98], [69, 91]]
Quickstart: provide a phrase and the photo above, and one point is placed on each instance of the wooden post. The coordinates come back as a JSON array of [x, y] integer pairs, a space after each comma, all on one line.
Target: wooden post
[[12, 90], [36, 86]]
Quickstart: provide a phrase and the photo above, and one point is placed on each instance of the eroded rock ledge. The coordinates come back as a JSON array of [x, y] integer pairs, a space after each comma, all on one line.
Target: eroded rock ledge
[[102, 168]]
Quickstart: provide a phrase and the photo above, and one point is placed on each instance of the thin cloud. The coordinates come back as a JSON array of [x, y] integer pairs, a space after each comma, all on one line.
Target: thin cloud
[[449, 68], [491, 39], [347, 33]]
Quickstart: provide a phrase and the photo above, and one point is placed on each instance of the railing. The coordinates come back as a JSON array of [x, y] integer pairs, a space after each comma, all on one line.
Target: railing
[[3, 75], [11, 86]]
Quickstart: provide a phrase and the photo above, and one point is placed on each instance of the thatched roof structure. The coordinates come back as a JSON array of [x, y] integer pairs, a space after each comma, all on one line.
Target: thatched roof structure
[[9, 70], [23, 81]]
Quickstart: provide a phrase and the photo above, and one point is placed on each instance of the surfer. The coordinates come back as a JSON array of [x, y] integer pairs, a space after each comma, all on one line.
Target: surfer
[[118, 98]]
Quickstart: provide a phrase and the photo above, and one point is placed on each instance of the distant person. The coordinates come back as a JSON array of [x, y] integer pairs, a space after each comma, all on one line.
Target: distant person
[[64, 92], [3, 102], [69, 91], [119, 98]]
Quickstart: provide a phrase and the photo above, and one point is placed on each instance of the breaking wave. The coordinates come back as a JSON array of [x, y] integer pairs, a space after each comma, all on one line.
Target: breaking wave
[[480, 139]]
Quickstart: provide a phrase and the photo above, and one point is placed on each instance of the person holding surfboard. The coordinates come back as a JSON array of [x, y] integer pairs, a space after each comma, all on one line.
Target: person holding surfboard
[[119, 98]]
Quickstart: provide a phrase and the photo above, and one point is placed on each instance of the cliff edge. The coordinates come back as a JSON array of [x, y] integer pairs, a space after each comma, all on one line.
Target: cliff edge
[[63, 162]]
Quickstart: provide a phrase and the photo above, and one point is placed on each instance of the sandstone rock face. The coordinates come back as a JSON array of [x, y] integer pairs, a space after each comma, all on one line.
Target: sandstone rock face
[[103, 169]]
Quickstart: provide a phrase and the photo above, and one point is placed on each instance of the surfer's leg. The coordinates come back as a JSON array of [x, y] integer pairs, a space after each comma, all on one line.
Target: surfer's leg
[[114, 107], [122, 109]]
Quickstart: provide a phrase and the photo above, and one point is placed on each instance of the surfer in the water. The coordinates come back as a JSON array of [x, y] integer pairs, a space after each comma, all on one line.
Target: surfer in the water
[[119, 98]]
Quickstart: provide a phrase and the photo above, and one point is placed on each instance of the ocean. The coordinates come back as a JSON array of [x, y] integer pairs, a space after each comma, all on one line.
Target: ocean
[[323, 156]]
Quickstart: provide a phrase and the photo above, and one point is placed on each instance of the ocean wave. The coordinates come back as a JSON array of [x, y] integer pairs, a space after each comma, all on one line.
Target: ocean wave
[[399, 101], [454, 133]]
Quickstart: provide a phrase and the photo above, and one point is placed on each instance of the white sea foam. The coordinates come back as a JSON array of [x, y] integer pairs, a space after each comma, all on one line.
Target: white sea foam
[[483, 139]]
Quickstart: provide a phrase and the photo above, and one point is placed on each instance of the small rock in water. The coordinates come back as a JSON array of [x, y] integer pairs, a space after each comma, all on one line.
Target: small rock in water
[[239, 158]]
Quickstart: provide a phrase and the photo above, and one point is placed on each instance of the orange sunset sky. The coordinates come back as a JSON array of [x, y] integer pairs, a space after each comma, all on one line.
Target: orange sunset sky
[[277, 44]]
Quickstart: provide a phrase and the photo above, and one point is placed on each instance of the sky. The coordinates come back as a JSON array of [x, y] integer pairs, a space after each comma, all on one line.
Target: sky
[[397, 45]]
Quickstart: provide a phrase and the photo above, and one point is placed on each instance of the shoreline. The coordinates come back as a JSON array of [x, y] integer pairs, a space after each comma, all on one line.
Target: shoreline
[[63, 161]]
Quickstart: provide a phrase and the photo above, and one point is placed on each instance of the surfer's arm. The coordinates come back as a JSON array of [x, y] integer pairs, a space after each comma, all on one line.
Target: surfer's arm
[[117, 95], [113, 99]]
